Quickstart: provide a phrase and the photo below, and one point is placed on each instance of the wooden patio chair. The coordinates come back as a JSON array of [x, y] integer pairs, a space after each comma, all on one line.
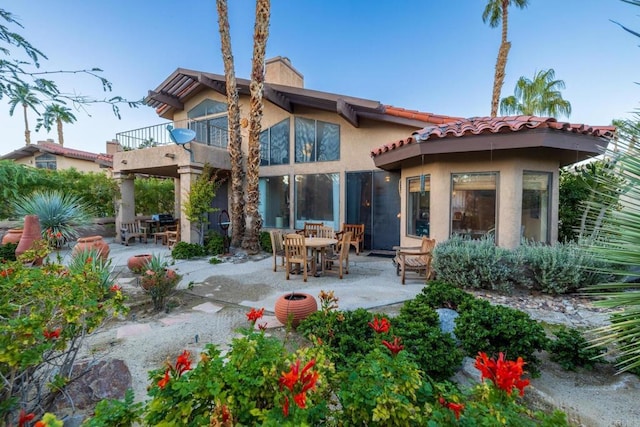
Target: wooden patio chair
[[341, 255], [310, 229], [277, 245], [326, 232], [131, 230], [416, 259], [357, 235], [173, 237], [296, 253]]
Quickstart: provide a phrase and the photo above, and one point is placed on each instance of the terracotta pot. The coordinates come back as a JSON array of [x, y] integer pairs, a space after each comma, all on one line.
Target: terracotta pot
[[295, 306], [92, 242], [137, 263], [12, 236], [30, 233]]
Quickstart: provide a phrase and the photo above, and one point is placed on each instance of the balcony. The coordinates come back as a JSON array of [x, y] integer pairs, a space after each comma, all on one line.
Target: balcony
[[212, 132]]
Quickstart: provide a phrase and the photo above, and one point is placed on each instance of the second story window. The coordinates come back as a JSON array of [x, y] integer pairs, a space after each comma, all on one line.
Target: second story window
[[316, 141], [46, 161], [274, 144], [209, 120]]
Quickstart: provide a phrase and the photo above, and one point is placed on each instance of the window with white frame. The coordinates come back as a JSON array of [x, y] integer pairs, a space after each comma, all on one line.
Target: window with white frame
[[47, 161], [316, 141], [474, 203], [418, 205]]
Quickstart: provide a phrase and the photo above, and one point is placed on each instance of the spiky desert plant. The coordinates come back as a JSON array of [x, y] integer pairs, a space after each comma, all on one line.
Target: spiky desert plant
[[613, 229], [58, 212]]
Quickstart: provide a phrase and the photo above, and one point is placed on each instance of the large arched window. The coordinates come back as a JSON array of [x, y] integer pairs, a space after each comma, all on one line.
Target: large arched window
[[209, 120]]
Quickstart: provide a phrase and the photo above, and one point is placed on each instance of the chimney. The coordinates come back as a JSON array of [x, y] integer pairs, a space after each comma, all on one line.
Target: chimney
[[113, 147], [279, 71]]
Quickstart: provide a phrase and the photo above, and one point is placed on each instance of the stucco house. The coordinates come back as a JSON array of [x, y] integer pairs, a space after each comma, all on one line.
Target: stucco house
[[338, 159], [49, 155]]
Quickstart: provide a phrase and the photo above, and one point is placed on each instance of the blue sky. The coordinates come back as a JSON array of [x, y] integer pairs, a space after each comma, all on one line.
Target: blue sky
[[432, 56]]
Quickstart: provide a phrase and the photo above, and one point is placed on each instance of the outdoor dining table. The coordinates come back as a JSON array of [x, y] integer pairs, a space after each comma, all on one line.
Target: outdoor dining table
[[319, 246]]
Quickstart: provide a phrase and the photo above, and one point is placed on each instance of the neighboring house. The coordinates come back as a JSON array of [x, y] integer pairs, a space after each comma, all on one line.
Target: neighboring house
[[317, 165], [49, 155]]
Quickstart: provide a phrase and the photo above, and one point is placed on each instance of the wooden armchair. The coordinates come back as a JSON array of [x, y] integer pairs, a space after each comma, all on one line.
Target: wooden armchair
[[131, 230], [277, 245], [310, 229], [296, 253], [341, 255], [416, 259], [357, 235], [326, 232], [173, 237]]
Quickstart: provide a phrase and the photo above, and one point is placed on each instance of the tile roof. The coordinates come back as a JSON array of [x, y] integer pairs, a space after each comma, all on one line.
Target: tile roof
[[419, 115], [486, 125], [54, 148]]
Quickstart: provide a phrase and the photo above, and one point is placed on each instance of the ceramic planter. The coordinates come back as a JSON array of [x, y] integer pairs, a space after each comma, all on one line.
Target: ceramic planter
[[92, 242], [295, 306], [12, 236], [137, 263], [31, 233]]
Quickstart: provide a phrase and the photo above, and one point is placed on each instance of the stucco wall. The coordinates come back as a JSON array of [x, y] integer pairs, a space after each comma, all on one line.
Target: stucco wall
[[509, 166], [63, 163]]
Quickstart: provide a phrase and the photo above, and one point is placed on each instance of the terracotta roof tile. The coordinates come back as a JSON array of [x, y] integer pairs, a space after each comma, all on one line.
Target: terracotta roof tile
[[483, 125], [419, 115]]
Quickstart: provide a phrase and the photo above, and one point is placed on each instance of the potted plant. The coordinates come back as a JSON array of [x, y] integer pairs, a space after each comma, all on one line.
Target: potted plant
[[294, 307]]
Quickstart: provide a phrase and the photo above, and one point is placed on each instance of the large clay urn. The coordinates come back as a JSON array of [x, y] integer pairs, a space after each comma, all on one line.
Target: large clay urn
[[294, 306], [138, 263], [30, 233], [12, 236], [92, 242]]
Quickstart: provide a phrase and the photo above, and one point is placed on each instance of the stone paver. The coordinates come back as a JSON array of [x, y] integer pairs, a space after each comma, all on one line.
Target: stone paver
[[133, 330]]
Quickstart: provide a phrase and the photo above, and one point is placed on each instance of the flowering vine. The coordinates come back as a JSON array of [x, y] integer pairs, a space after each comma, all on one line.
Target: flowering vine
[[505, 374], [298, 382]]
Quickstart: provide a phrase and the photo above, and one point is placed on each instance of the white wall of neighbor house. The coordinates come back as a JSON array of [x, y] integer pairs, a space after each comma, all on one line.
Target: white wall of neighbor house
[[63, 163], [510, 166]]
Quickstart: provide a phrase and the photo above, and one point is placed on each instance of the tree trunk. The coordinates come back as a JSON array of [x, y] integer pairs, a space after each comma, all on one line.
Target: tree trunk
[[27, 132], [251, 240], [235, 137], [501, 62], [60, 137]]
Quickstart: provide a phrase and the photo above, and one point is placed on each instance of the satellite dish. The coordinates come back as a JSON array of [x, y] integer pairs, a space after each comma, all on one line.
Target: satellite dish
[[181, 136]]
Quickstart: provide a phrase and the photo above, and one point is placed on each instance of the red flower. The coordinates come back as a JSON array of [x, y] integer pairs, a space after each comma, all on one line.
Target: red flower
[[115, 287], [165, 380], [40, 424], [380, 325], [394, 347], [254, 315], [285, 407], [55, 334], [301, 400], [456, 408], [183, 364], [290, 378], [6, 273], [505, 374], [25, 418]]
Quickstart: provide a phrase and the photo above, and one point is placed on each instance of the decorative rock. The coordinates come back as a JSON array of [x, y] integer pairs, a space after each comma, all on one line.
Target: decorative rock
[[105, 379], [447, 320]]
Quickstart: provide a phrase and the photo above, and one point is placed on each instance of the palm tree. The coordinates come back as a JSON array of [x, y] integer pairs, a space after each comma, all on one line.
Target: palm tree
[[235, 137], [59, 114], [538, 97], [24, 96], [251, 240], [495, 12]]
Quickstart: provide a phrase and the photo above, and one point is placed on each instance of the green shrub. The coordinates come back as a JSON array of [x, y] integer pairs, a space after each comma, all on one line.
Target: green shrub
[[494, 328], [558, 269], [571, 350], [214, 243], [265, 241], [440, 294], [8, 252], [184, 250], [117, 413], [477, 264]]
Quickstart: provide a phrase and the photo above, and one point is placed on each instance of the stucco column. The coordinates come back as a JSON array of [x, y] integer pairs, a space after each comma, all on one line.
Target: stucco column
[[188, 175], [127, 203], [510, 207]]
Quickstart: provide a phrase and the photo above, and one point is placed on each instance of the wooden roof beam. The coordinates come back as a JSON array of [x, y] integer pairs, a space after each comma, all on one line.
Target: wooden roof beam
[[278, 99], [166, 99], [346, 111], [213, 84]]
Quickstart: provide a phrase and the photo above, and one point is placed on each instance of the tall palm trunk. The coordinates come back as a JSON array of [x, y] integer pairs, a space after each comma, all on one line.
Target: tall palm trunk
[[60, 136], [501, 62], [235, 137], [27, 132], [251, 241]]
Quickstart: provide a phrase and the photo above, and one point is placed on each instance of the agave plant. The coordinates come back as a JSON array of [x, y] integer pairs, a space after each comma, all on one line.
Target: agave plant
[[60, 214], [613, 230]]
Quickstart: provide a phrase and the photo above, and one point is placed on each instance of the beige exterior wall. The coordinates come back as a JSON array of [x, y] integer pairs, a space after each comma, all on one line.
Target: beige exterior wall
[[63, 163], [509, 166]]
